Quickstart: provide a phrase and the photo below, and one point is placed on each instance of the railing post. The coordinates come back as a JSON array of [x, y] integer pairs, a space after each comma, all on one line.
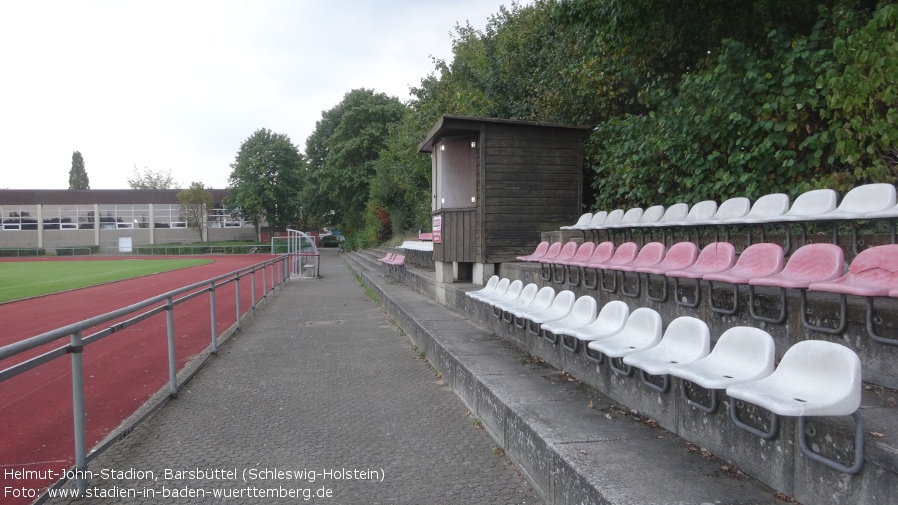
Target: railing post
[[237, 289], [213, 322], [265, 281], [252, 289], [78, 412], [172, 365]]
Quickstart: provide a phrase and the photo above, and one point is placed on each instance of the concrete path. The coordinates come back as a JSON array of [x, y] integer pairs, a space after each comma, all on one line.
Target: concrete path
[[322, 396]]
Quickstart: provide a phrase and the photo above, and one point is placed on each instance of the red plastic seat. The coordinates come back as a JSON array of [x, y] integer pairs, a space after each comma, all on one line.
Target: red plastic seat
[[542, 250], [680, 255], [567, 252], [584, 252], [623, 255], [715, 257], [873, 273], [808, 264], [757, 261], [601, 253], [650, 255], [539, 252]]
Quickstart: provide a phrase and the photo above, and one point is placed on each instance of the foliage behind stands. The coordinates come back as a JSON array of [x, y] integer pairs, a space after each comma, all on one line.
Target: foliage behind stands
[[690, 100]]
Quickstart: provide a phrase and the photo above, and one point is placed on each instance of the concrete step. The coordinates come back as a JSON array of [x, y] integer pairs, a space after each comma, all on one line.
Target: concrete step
[[573, 443]]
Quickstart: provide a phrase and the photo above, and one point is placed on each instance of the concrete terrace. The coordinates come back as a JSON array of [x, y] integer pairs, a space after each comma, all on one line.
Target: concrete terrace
[[319, 380]]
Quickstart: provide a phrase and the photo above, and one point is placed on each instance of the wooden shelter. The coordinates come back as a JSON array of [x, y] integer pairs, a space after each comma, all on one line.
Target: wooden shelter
[[496, 185]]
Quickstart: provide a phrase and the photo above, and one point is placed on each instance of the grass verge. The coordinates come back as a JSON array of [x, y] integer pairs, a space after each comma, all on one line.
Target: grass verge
[[25, 279]]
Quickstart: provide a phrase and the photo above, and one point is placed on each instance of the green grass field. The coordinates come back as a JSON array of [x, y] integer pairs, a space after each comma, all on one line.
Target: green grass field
[[24, 279]]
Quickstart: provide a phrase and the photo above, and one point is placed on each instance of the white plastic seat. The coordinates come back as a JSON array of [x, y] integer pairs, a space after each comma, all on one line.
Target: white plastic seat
[[674, 213], [808, 205], [597, 219], [642, 331], [499, 289], [700, 212], [542, 301], [651, 216], [611, 320], [582, 313], [510, 293], [630, 218], [733, 208], [611, 219], [582, 221], [685, 340], [764, 209], [862, 201], [527, 294], [814, 378], [742, 354], [561, 306], [525, 297], [490, 287]]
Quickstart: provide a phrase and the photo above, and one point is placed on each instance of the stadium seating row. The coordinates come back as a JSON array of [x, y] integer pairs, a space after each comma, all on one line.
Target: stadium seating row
[[866, 202], [814, 267], [814, 378], [394, 262]]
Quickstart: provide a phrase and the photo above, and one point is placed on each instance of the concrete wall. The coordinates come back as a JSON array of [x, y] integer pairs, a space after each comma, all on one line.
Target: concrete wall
[[778, 463]]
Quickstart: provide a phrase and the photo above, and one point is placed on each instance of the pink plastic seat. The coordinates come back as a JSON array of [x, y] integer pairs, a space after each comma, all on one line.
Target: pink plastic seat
[[600, 254], [624, 254], [680, 255], [757, 261], [808, 264], [584, 252], [567, 252], [715, 257], [541, 249], [552, 253], [873, 273], [650, 255]]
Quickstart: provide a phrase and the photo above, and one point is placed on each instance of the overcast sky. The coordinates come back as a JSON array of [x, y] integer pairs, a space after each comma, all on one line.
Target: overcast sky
[[178, 85]]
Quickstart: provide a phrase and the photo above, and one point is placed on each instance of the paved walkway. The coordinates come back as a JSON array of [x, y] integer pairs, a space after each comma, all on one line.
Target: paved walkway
[[319, 394]]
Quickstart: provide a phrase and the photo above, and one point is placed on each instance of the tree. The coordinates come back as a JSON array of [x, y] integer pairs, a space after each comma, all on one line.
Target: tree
[[77, 175], [343, 150], [149, 179], [266, 178], [195, 203]]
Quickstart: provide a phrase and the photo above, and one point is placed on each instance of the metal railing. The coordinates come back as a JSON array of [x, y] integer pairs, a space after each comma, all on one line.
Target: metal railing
[[275, 272]]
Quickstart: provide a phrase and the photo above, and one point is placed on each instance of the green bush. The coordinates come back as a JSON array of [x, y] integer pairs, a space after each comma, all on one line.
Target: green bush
[[7, 253]]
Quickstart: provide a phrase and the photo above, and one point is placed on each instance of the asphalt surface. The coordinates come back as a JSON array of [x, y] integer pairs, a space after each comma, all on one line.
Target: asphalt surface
[[319, 399]]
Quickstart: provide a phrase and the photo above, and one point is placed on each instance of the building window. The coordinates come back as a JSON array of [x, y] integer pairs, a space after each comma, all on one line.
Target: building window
[[18, 217]]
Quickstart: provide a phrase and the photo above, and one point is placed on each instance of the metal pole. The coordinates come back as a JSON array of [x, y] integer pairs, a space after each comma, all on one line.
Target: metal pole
[[237, 289], [78, 412], [212, 317], [172, 365], [264, 281], [252, 289]]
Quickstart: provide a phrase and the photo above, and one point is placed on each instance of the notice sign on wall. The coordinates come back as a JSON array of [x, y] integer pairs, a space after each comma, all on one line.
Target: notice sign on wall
[[438, 229]]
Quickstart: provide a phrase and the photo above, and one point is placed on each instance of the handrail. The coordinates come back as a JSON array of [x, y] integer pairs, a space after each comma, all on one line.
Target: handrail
[[280, 271], [65, 331]]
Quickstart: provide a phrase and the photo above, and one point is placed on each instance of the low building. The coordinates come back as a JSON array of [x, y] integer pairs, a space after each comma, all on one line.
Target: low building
[[107, 218]]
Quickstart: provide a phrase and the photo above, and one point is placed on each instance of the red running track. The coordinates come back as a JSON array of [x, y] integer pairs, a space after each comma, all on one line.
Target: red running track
[[121, 371]]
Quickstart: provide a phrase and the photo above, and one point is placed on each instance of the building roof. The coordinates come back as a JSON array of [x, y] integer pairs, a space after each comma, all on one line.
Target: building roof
[[451, 125], [98, 196]]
